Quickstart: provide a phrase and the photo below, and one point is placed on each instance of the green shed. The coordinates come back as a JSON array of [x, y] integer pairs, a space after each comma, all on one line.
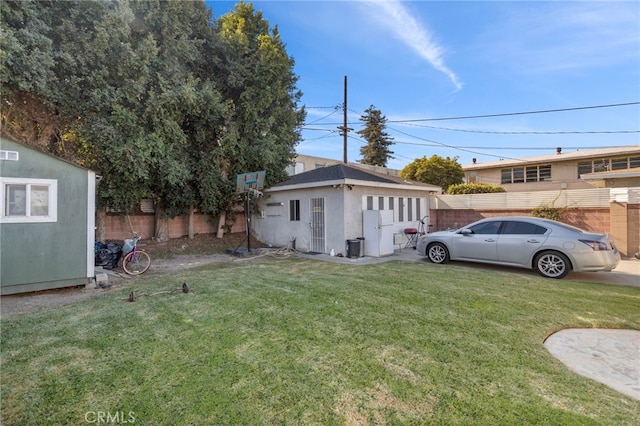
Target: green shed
[[47, 221]]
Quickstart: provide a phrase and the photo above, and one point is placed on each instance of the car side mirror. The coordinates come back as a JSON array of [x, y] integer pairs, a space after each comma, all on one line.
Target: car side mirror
[[466, 232]]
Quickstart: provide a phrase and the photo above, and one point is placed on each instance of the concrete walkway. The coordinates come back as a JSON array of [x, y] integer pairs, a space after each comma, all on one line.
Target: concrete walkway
[[611, 357]]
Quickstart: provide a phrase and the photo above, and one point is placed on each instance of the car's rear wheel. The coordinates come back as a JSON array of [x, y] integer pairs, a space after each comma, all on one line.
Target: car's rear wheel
[[551, 264], [437, 253]]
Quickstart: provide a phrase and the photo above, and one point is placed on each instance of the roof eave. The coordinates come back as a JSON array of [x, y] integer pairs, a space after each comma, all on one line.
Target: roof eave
[[355, 182]]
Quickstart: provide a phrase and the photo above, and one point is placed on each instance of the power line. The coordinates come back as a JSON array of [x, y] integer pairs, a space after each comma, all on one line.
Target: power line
[[450, 146], [540, 148], [493, 132], [335, 109], [546, 111]]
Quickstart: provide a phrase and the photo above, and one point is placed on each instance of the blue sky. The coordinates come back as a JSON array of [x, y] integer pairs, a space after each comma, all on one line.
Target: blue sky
[[426, 60]]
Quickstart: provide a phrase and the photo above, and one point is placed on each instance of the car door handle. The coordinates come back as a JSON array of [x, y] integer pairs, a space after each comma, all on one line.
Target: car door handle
[[490, 240], [533, 241]]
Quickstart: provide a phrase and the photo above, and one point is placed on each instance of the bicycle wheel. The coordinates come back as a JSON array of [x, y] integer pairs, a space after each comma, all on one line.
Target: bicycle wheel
[[136, 262]]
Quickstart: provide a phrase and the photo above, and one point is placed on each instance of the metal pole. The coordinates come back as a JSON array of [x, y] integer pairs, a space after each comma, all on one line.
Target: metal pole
[[344, 128], [247, 213]]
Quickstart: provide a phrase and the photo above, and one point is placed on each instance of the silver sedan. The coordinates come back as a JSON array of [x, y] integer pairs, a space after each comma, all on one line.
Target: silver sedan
[[551, 248]]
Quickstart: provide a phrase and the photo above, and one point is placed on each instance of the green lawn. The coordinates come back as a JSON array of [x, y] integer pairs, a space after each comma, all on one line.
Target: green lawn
[[296, 341]]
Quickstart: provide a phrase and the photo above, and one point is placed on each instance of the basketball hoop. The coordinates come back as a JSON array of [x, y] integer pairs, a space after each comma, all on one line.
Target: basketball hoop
[[248, 181], [250, 184]]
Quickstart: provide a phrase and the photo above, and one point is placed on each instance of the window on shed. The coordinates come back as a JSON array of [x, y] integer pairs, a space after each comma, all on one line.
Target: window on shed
[[294, 210], [400, 209], [380, 203], [369, 203], [28, 200]]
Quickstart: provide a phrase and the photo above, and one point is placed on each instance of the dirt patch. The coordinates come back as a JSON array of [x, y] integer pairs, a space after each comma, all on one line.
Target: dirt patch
[[171, 257]]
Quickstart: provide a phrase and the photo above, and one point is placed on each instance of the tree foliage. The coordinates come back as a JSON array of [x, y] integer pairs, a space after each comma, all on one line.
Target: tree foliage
[[160, 100], [376, 152], [436, 170], [474, 188]]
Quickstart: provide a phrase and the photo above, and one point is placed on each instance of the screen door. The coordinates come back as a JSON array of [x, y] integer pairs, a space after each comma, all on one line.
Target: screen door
[[317, 225]]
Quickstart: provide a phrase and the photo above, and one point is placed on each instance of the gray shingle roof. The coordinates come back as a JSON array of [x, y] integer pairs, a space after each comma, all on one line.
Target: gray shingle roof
[[343, 172]]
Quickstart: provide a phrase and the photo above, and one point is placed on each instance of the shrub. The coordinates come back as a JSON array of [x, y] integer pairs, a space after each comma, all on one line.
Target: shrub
[[547, 211], [474, 188]]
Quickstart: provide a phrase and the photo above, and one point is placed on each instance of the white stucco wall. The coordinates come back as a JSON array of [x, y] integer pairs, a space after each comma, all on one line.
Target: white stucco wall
[[343, 214]]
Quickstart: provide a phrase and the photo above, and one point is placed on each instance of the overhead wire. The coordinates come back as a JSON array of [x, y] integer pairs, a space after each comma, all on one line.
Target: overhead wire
[[471, 149], [493, 132]]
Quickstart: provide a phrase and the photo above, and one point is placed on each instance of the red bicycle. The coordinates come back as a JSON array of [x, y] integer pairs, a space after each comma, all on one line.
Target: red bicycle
[[135, 261]]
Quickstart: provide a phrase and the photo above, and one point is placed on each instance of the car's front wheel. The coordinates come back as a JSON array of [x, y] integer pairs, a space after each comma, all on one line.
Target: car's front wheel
[[551, 264], [437, 253]]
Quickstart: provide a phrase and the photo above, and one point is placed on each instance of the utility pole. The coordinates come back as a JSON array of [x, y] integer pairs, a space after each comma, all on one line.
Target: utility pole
[[344, 129]]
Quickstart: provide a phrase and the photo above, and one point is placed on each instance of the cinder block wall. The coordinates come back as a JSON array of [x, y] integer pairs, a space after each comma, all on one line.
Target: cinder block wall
[[590, 219], [621, 220], [119, 228], [625, 227]]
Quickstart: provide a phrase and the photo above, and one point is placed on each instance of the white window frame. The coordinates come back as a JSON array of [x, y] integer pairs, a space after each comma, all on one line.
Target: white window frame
[[52, 186]]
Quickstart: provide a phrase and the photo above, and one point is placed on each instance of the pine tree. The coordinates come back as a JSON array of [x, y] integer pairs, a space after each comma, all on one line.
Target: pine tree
[[376, 152]]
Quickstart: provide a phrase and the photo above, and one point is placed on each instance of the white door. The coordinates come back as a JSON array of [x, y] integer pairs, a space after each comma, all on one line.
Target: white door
[[386, 232], [317, 225], [377, 229], [370, 232]]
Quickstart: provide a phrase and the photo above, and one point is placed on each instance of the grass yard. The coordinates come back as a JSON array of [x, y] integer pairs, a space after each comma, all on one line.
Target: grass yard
[[296, 341]]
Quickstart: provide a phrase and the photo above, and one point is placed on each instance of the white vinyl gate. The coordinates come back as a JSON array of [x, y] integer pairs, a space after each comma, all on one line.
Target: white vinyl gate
[[317, 225]]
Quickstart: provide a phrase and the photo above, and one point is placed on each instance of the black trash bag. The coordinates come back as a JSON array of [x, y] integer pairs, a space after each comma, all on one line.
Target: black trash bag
[[102, 257], [108, 256], [114, 247]]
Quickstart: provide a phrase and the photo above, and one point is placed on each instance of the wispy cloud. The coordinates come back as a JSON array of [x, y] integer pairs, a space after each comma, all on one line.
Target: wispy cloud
[[393, 15]]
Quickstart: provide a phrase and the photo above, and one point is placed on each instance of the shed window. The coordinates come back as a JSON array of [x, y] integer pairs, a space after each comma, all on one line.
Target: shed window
[[369, 202], [294, 210], [28, 200]]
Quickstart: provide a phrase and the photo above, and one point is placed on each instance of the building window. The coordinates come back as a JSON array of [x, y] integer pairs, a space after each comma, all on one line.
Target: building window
[[9, 155], [369, 202], [606, 165], [526, 174], [544, 173], [380, 203], [294, 210], [625, 163], [400, 209], [409, 209], [585, 167], [28, 200]]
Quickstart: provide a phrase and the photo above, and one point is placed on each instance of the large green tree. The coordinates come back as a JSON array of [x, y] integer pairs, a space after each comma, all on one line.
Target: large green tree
[[376, 152], [436, 170], [258, 82], [150, 94]]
